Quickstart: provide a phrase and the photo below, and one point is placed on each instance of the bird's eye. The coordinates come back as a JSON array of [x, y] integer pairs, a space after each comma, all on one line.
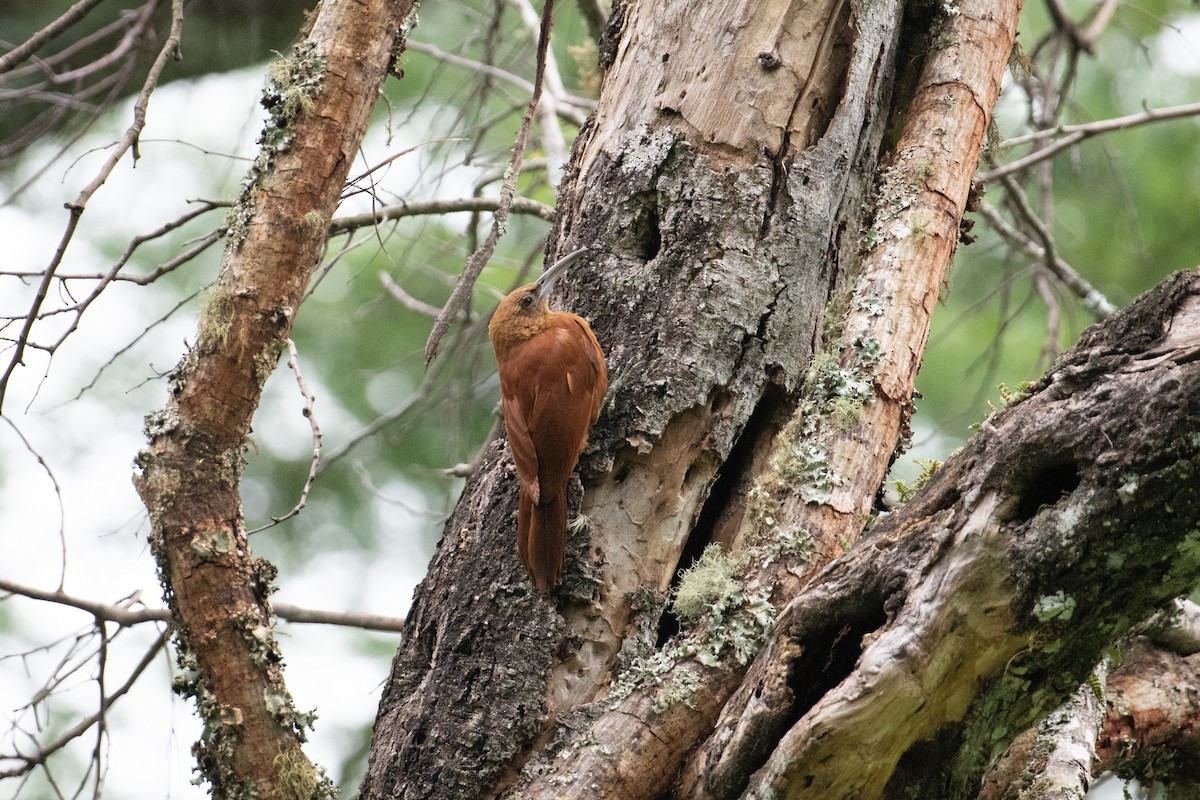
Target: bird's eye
[[527, 301]]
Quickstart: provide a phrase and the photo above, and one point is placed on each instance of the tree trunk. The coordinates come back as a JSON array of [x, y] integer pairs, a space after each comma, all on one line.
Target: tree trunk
[[763, 333], [319, 100]]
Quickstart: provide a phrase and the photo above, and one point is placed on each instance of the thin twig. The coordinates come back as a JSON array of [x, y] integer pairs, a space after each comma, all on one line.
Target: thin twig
[[417, 208], [371, 170], [82, 727], [113, 359], [309, 399], [169, 50], [407, 300], [1104, 14], [475, 264], [1073, 134], [553, 140], [31, 45], [127, 617], [62, 511], [566, 109], [1093, 301]]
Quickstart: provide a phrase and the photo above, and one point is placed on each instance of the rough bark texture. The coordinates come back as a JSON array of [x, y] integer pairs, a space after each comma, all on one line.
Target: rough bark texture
[[320, 98], [715, 258], [1138, 719], [989, 598], [720, 185], [1152, 725]]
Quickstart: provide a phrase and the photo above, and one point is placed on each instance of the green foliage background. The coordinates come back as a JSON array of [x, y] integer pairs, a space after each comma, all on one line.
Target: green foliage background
[[1125, 211]]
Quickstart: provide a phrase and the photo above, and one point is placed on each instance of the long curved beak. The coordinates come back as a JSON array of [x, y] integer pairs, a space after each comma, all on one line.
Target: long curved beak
[[551, 276]]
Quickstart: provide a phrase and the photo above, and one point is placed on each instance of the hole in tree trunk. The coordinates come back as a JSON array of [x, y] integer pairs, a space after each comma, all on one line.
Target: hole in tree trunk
[[1046, 488]]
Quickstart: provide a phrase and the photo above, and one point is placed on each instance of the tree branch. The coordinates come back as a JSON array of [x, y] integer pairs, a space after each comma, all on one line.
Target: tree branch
[[169, 50], [416, 208], [1070, 135], [31, 45], [478, 260], [32, 760], [319, 100], [127, 616]]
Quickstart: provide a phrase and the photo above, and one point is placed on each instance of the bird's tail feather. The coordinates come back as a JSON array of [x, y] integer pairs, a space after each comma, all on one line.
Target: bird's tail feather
[[542, 537]]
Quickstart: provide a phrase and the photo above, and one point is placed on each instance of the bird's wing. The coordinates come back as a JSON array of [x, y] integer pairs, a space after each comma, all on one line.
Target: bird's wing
[[516, 425], [599, 373], [567, 379]]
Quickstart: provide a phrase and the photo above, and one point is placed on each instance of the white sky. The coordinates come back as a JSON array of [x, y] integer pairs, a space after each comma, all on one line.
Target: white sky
[[90, 443]]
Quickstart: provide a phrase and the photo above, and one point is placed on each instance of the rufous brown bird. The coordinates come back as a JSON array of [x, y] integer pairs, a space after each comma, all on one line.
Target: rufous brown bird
[[552, 384]]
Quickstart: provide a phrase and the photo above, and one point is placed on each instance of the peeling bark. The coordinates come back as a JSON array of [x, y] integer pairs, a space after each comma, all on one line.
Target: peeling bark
[[1151, 728], [1004, 580], [725, 233], [319, 100], [743, 296], [1138, 720], [715, 259]]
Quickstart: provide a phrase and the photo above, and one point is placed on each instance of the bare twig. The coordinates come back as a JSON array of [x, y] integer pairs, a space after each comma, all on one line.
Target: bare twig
[[553, 141], [1093, 301], [38, 758], [407, 300], [31, 45], [62, 512], [372, 170], [170, 49], [349, 619], [126, 616], [475, 264], [1104, 13], [416, 208], [112, 360], [569, 109], [306, 393], [1073, 134]]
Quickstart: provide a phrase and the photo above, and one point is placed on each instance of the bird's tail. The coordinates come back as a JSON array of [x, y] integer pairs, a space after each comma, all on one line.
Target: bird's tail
[[542, 537]]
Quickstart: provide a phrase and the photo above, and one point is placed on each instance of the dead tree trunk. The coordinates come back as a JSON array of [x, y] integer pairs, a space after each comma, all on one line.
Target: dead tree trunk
[[772, 193]]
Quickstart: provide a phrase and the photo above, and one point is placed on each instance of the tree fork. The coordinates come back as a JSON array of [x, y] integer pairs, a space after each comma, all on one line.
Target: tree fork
[[1000, 585], [319, 101], [737, 227]]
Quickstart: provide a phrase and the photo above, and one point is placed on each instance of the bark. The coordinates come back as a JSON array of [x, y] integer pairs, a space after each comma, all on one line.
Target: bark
[[1137, 719], [320, 99], [977, 608], [1152, 726], [721, 186]]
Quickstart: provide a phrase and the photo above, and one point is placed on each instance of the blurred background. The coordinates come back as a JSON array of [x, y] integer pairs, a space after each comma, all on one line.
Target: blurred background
[[1122, 210]]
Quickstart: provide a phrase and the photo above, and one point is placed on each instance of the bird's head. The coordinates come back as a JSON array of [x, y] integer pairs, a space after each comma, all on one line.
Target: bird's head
[[525, 310]]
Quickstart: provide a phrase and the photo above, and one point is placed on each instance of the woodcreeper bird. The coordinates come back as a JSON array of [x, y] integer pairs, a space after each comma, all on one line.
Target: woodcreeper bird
[[552, 384]]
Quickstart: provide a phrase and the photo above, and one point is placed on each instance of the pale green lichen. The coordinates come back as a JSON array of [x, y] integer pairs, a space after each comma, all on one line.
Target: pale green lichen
[[280, 706], [216, 319], [726, 623], [681, 689], [1058, 606], [711, 595], [708, 583], [264, 650], [294, 81], [783, 542], [300, 780], [211, 544], [314, 223]]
